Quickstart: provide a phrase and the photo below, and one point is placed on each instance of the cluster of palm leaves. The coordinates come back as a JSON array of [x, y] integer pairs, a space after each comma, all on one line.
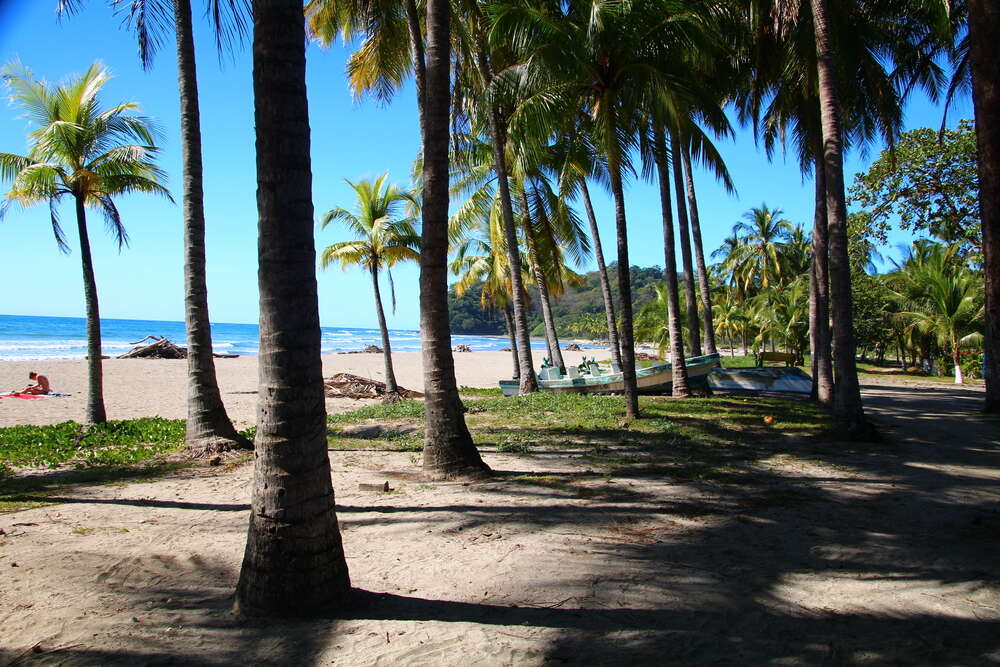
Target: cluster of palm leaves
[[938, 304], [762, 302]]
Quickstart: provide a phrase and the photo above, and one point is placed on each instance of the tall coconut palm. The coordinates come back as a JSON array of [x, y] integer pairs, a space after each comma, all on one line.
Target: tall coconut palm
[[294, 560], [448, 447], [685, 243], [384, 239], [209, 429], [81, 151], [758, 257], [984, 25], [584, 57], [848, 409]]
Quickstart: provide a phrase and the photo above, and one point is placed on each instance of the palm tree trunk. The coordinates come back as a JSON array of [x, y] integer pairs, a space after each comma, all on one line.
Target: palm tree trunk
[[390, 376], [602, 272], [498, 140], [294, 560], [95, 413], [984, 26], [819, 294], [551, 339], [682, 225], [417, 50], [679, 385], [509, 319], [624, 279], [848, 410], [209, 429], [448, 448], [699, 257]]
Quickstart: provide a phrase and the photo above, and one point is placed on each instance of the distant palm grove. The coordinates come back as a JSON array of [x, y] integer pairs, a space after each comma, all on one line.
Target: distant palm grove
[[525, 108]]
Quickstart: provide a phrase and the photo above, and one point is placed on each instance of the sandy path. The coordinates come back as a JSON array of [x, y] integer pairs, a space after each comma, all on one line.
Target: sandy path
[[837, 554]]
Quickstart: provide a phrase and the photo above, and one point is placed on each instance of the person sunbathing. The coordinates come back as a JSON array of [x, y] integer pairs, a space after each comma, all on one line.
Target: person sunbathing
[[41, 385]]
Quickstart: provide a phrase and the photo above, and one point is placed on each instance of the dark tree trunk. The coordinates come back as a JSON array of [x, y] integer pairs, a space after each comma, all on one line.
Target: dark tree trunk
[[849, 414], [448, 448], [819, 294], [294, 561], [984, 26], [679, 387], [602, 272], [419, 66], [509, 319], [209, 429], [548, 323], [390, 375], [95, 370], [685, 242], [498, 139], [699, 257], [624, 279]]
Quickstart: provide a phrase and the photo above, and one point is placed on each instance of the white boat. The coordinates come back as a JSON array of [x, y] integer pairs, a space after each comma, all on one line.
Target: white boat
[[654, 379]]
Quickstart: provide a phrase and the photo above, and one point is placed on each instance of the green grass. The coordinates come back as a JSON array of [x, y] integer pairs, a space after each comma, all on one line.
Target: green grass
[[684, 439], [891, 369], [480, 391]]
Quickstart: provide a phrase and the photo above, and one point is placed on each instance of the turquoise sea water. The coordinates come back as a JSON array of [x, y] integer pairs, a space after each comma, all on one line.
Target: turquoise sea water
[[24, 338]]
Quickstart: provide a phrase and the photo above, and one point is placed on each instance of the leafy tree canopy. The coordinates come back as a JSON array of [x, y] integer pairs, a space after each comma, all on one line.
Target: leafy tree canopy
[[929, 181]]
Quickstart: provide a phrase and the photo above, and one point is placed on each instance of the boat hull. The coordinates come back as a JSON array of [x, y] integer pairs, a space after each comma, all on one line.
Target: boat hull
[[655, 379]]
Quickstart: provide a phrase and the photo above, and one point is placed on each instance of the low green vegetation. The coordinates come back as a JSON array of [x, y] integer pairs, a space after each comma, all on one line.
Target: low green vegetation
[[681, 439], [76, 454]]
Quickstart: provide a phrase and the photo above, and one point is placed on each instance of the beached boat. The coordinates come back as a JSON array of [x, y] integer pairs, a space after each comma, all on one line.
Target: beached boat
[[789, 380], [654, 379]]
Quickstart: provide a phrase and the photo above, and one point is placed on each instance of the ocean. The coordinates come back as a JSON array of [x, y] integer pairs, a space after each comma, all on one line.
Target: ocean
[[28, 338]]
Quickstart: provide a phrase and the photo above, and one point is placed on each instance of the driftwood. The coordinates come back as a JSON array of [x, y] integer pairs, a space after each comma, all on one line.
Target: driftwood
[[645, 356], [346, 385], [162, 348], [462, 348], [369, 349], [573, 347]]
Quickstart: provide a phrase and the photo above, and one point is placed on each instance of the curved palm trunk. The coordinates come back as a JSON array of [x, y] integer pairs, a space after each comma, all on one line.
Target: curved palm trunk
[[209, 429], [417, 49], [819, 295], [984, 26], [624, 280], [95, 413], [390, 376], [294, 561], [548, 323], [682, 225], [679, 387], [448, 448], [847, 407], [497, 141], [509, 319], [699, 257], [602, 272]]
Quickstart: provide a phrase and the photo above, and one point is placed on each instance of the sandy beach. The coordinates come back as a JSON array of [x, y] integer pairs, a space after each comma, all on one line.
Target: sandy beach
[[157, 387]]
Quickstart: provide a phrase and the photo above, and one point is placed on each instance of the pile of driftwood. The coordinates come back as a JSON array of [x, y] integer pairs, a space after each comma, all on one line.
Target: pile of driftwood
[[645, 356], [462, 348], [573, 347], [346, 385], [370, 349], [160, 348]]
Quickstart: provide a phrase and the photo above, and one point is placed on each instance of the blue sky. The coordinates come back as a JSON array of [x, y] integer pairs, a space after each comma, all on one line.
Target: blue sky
[[351, 139]]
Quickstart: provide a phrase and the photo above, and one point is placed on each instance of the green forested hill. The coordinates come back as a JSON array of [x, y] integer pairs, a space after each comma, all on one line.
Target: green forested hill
[[468, 317]]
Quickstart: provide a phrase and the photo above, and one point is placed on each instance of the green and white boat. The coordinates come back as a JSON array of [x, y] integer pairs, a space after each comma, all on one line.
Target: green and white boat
[[654, 379]]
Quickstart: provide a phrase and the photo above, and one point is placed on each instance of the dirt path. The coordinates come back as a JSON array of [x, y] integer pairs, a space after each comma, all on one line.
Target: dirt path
[[798, 552]]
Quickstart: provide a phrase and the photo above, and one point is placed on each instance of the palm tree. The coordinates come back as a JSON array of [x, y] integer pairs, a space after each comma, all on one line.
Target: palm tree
[[294, 560], [757, 260], [685, 243], [81, 150], [984, 25], [209, 429], [448, 447], [383, 240]]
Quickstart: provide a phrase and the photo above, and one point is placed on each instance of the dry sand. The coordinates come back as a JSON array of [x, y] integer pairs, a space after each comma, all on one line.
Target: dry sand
[[829, 555], [149, 387]]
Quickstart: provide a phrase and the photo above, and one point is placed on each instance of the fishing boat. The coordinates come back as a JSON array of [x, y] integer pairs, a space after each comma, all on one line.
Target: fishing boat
[[789, 380], [590, 378]]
